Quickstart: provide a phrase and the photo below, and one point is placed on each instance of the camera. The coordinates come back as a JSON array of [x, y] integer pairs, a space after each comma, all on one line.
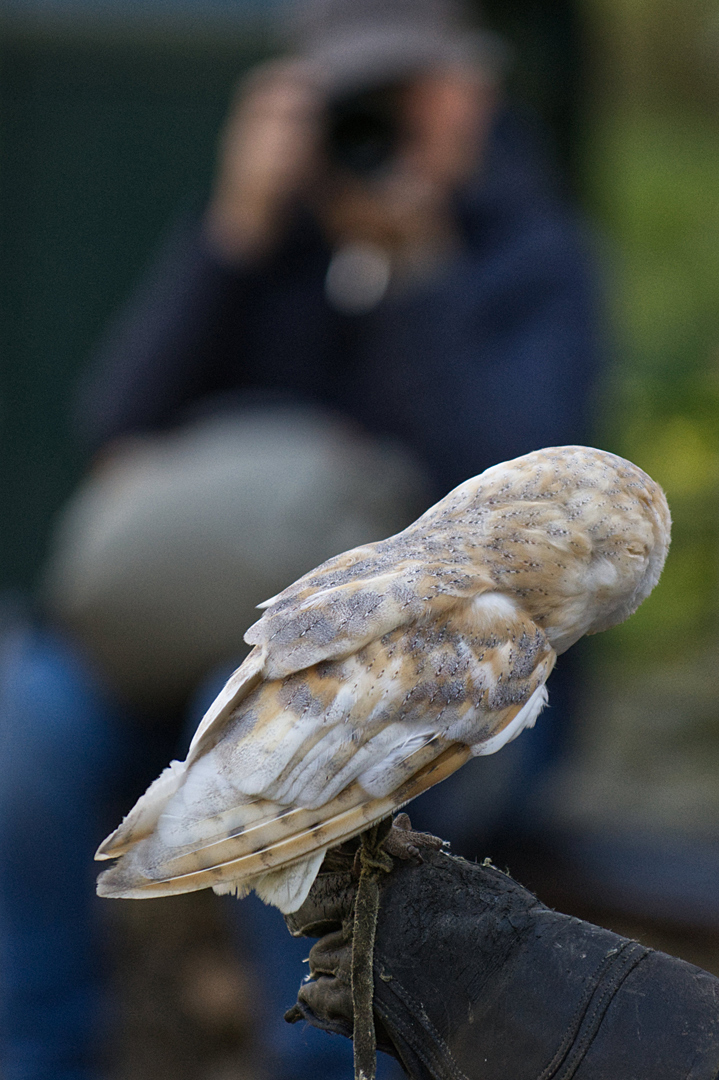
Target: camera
[[363, 131]]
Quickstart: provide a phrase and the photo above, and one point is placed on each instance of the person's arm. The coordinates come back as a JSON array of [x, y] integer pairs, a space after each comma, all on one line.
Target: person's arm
[[475, 978]]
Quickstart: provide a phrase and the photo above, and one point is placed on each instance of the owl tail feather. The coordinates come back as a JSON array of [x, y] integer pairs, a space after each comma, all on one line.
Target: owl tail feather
[[280, 858], [286, 888]]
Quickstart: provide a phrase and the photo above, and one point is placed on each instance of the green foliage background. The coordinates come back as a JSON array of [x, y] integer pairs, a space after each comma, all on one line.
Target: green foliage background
[[650, 163]]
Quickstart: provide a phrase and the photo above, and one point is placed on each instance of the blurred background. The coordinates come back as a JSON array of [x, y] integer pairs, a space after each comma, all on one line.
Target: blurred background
[[109, 115]]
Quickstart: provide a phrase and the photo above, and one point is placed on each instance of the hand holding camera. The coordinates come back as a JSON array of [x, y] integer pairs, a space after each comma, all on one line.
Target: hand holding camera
[[375, 165], [267, 155]]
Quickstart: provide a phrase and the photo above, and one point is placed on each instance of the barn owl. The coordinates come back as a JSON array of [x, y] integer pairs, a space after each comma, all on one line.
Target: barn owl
[[381, 672]]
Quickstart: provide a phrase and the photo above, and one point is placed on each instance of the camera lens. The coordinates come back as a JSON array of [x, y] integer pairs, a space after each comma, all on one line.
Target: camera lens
[[363, 133]]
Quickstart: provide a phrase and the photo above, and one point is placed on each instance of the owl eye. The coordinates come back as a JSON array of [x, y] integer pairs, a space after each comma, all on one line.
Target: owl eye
[[638, 550]]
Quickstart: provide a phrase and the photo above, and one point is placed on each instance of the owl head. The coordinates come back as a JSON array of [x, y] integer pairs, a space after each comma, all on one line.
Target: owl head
[[577, 535]]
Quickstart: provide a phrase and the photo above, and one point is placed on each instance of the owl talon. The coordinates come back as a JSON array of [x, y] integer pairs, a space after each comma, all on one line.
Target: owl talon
[[404, 843]]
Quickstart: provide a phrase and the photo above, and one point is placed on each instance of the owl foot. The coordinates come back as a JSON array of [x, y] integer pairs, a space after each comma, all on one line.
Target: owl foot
[[395, 836], [404, 843]]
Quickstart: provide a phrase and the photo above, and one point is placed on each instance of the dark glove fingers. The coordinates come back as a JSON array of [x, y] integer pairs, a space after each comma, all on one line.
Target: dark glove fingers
[[328, 999], [328, 994], [332, 955]]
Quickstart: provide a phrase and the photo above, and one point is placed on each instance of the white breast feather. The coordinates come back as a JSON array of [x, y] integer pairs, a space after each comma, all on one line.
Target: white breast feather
[[525, 718]]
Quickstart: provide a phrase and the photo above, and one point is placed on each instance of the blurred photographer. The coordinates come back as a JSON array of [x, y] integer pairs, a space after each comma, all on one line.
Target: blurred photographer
[[383, 296], [378, 167]]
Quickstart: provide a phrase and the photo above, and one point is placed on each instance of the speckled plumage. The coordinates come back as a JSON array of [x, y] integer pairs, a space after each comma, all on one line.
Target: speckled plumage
[[379, 673]]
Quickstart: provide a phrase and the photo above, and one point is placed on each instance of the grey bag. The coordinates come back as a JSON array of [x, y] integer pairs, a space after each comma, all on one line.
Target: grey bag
[[159, 559]]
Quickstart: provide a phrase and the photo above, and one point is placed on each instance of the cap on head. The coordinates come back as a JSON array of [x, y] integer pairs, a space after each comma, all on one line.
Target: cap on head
[[356, 44]]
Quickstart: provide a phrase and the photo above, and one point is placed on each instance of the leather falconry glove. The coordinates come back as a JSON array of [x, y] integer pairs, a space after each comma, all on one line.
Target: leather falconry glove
[[475, 979]]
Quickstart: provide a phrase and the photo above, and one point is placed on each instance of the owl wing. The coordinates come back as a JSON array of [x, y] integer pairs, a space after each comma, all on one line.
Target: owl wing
[[335, 609], [359, 596], [311, 759]]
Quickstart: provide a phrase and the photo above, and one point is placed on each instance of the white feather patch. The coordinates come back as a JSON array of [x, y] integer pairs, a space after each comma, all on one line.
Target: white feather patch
[[525, 718], [285, 888], [207, 791], [257, 760], [490, 607], [374, 753], [382, 778]]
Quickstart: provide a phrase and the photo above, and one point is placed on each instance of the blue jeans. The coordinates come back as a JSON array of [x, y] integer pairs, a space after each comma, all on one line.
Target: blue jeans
[[71, 762], [63, 746]]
